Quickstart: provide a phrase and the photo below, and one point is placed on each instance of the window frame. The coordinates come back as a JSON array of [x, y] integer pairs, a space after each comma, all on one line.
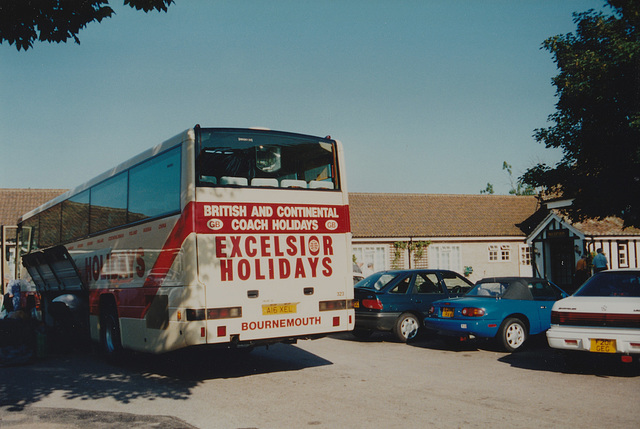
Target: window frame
[[505, 252], [623, 254], [493, 253]]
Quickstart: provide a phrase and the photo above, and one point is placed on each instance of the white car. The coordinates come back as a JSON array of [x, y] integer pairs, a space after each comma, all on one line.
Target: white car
[[603, 316]]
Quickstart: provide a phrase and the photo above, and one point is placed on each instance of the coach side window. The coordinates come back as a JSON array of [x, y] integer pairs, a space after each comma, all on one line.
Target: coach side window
[[75, 217], [109, 203], [50, 226], [154, 186]]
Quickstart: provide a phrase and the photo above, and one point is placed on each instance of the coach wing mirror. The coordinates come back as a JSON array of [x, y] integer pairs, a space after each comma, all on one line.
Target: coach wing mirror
[[268, 158]]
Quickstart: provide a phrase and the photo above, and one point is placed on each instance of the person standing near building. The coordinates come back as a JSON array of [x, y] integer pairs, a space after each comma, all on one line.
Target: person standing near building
[[582, 271], [368, 270], [600, 262]]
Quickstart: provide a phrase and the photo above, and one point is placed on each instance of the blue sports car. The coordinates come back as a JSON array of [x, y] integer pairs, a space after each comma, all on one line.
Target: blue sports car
[[508, 309]]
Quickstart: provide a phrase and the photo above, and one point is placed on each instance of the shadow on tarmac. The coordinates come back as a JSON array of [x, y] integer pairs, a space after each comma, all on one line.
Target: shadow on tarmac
[[544, 358], [84, 374], [535, 355]]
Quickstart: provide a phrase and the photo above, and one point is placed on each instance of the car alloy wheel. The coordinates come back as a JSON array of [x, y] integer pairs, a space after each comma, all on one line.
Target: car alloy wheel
[[513, 334], [407, 327]]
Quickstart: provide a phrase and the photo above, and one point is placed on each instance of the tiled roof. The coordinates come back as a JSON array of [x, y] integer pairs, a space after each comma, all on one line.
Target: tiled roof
[[16, 202], [430, 215], [398, 215], [604, 227]]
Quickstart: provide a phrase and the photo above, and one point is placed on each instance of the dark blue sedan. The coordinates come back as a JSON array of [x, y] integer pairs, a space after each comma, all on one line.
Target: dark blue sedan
[[399, 300], [508, 309]]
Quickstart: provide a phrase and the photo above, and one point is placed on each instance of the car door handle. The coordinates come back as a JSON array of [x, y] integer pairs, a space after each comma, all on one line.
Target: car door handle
[[543, 307]]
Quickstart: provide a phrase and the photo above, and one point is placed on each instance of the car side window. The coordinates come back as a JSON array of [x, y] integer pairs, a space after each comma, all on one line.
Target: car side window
[[542, 291], [427, 283], [456, 284], [402, 286]]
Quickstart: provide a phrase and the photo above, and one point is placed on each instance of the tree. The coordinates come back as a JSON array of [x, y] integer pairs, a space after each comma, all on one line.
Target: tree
[[597, 118], [24, 21], [488, 190], [518, 187]]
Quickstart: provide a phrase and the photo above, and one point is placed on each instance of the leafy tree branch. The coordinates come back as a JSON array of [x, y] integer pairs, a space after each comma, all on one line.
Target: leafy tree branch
[[23, 22], [597, 119]]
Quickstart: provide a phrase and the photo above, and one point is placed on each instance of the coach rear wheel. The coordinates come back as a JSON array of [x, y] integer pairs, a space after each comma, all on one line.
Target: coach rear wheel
[[110, 334]]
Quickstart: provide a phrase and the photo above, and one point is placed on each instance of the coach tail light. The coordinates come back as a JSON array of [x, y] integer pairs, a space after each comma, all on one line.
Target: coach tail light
[[339, 304], [213, 313]]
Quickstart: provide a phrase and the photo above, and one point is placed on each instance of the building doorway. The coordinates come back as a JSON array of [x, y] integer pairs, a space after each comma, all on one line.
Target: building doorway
[[563, 261]]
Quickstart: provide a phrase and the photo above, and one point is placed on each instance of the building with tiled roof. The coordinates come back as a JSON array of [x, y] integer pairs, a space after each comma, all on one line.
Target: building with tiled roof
[[13, 204], [478, 235], [16, 202], [482, 235], [423, 215]]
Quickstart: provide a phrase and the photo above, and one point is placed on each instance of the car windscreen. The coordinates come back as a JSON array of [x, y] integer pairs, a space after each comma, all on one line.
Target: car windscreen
[[376, 281], [625, 284]]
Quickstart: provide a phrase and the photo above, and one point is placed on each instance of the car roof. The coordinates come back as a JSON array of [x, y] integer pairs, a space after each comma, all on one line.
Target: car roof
[[509, 279], [417, 270], [518, 286]]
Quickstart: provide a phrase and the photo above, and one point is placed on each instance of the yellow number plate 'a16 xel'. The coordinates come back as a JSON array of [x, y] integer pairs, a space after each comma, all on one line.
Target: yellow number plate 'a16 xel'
[[271, 309]]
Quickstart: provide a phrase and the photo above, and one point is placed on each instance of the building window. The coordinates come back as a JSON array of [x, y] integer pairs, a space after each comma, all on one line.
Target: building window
[[505, 252], [370, 259], [493, 253], [445, 257], [525, 255], [623, 254], [499, 253]]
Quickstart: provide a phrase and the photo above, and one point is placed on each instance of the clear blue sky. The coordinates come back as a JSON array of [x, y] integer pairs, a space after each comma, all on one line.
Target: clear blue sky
[[427, 96]]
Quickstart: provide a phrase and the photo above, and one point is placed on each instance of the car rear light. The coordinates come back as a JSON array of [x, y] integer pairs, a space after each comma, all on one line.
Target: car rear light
[[373, 304], [473, 312], [571, 342], [626, 359], [635, 345]]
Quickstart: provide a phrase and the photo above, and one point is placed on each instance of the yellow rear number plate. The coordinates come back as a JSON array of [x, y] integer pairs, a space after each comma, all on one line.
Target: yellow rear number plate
[[603, 346], [356, 304], [269, 309], [447, 312]]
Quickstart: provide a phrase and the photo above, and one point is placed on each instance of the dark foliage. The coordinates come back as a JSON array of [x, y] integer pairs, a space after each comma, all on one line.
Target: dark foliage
[[597, 118], [23, 22]]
